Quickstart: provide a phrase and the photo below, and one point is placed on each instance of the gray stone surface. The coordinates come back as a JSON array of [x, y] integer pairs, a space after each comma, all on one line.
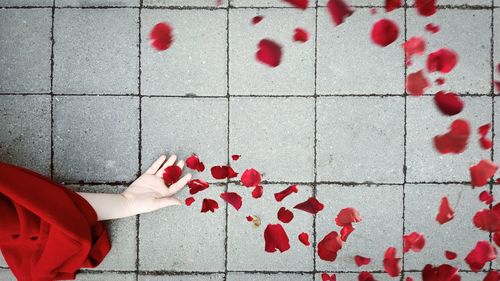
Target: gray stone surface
[[6, 275], [195, 64], [185, 126], [2, 261], [122, 233], [246, 244], [424, 122], [182, 238], [23, 3], [239, 276], [248, 76], [381, 227], [183, 3], [95, 138], [354, 276], [265, 3], [359, 3], [25, 127], [464, 32], [99, 3], [274, 136], [105, 276], [458, 235], [103, 58], [25, 47], [192, 277], [360, 139], [347, 63]]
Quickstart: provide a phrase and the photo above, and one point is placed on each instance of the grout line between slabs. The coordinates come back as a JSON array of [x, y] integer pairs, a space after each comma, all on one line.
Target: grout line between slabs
[[234, 96], [492, 92], [52, 92], [314, 187], [139, 154], [405, 10], [228, 96]]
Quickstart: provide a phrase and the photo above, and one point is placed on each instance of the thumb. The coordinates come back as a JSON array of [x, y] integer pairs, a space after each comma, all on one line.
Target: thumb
[[166, 201]]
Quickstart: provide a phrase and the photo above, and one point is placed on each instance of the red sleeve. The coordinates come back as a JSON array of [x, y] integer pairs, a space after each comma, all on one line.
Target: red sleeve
[[47, 231]]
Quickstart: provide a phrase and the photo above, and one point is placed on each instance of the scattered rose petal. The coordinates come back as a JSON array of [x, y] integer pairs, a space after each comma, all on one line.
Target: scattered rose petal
[[232, 198], [189, 201], [284, 193], [304, 239], [311, 205], [487, 220], [432, 28], [482, 172], [300, 35], [450, 255], [446, 213], [347, 216], [498, 68], [426, 7], [171, 174], [285, 215], [269, 52], [235, 157], [257, 192], [161, 36], [384, 32], [440, 81], [486, 197], [414, 46], [194, 163], [497, 85], [339, 10], [218, 3], [329, 246], [326, 277], [480, 255], [392, 5], [196, 186], [365, 276], [444, 272], [222, 172], [257, 19], [448, 103], [413, 241], [250, 177], [409, 278], [391, 262], [276, 238], [373, 11], [345, 232], [360, 260], [442, 60], [493, 275], [455, 140], [483, 140], [249, 218], [301, 4], [484, 129], [416, 83], [485, 143], [209, 205]]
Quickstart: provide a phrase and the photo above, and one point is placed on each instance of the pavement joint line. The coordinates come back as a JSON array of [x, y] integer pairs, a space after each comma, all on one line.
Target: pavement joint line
[[164, 272], [315, 159], [52, 91], [405, 25], [138, 216], [228, 96], [492, 92], [236, 96]]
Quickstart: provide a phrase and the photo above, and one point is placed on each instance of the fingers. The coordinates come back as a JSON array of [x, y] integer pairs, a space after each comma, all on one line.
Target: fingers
[[166, 201], [180, 164], [174, 188], [156, 165], [169, 162]]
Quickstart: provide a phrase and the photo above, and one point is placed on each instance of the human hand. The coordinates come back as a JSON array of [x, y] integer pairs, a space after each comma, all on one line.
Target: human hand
[[149, 192]]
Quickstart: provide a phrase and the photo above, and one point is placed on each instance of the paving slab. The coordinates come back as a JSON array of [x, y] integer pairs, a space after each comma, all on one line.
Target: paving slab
[[424, 122], [360, 139], [24, 3], [105, 276], [196, 62], [25, 127], [465, 276], [381, 210], [96, 3], [6, 275], [239, 276], [95, 138], [349, 63], [183, 3], [103, 59], [363, 3], [265, 3], [191, 277], [354, 276], [463, 31], [246, 244], [274, 136], [25, 60], [294, 75]]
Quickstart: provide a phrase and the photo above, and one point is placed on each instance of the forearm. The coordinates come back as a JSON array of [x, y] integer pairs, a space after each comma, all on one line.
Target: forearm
[[107, 205]]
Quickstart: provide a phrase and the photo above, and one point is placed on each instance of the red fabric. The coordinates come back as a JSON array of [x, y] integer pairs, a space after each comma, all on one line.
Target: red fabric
[[47, 231]]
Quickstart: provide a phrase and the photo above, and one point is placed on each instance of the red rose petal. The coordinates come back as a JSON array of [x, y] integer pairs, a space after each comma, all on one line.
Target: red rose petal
[[161, 36], [498, 68], [209, 205], [426, 7], [450, 255], [416, 83], [497, 85], [304, 239], [493, 275], [194, 163], [446, 213], [455, 140], [448, 103], [414, 46], [484, 129], [235, 157], [365, 276], [222, 172], [440, 81], [197, 185], [232, 198], [257, 19], [285, 215], [172, 174], [339, 10], [485, 143], [284, 193], [482, 172], [326, 277], [384, 32], [432, 28], [300, 35], [311, 205], [392, 5], [480, 255], [360, 260], [189, 201], [486, 197], [413, 241], [409, 278], [249, 218], [347, 216], [373, 11], [329, 246], [345, 232], [391, 262], [488, 220], [250, 177], [257, 192], [442, 60], [269, 52], [276, 238], [301, 4], [444, 272]]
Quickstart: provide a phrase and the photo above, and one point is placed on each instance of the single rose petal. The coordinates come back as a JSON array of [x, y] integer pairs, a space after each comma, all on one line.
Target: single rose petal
[[483, 140], [413, 46], [392, 5], [413, 241], [416, 83], [311, 205], [161, 36], [275, 238], [250, 177], [257, 192], [485, 143], [235, 157], [285, 215], [448, 103], [365, 276], [444, 272], [218, 3], [426, 7], [391, 263], [484, 129], [442, 60], [197, 185], [300, 35], [304, 239], [487, 220], [301, 4], [373, 11], [482, 172], [339, 10], [194, 163], [360, 260], [189, 201], [345, 232], [222, 172], [498, 68], [384, 32], [232, 198], [409, 278], [172, 174], [209, 205], [347, 216], [440, 81], [492, 275], [497, 85], [284, 193], [450, 255], [326, 277], [257, 19], [480, 255], [446, 213], [432, 28], [486, 197], [268, 52], [249, 218], [455, 140], [329, 246]]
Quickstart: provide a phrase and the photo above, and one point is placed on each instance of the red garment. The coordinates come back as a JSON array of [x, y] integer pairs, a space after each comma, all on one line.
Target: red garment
[[47, 231]]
